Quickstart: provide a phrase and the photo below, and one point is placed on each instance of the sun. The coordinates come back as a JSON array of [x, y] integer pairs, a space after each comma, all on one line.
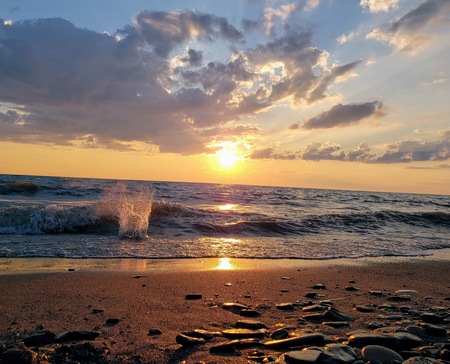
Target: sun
[[227, 158]]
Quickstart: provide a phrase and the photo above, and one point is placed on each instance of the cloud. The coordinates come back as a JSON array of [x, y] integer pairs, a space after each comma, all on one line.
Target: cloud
[[344, 115], [153, 82], [344, 38], [377, 6], [269, 153], [413, 31]]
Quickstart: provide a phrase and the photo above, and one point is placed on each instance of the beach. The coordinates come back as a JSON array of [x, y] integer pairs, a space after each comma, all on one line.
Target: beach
[[135, 311]]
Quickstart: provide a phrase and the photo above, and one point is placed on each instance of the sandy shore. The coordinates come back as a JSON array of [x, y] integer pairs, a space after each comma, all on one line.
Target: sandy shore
[[139, 297]]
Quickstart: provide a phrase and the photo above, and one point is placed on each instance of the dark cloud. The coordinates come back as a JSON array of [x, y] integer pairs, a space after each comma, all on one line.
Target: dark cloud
[[71, 86], [344, 115], [294, 126], [164, 31]]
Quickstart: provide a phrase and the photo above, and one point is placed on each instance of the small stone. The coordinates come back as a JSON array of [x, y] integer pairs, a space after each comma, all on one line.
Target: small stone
[[434, 330], [279, 334], [188, 341], [311, 294], [76, 335], [351, 288], [332, 314], [364, 308], [154, 332], [381, 354], [286, 278], [338, 353], [97, 310], [410, 292], [416, 330], [397, 341], [336, 323], [374, 325], [285, 306], [309, 339], [249, 313], [319, 286], [203, 334], [194, 296], [431, 318], [71, 270], [233, 305], [376, 293], [40, 339], [230, 346], [250, 324], [302, 356], [314, 308], [244, 333], [112, 321]]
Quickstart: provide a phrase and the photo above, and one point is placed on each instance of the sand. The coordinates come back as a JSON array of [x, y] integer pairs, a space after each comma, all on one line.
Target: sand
[[144, 295]]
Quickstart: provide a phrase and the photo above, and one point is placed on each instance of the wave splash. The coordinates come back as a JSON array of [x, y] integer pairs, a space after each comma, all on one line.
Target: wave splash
[[131, 209]]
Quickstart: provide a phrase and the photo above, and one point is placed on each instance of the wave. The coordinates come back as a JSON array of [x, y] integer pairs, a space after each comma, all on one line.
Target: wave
[[140, 216]]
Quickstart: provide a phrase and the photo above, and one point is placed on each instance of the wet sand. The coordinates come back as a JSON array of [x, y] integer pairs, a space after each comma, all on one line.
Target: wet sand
[[122, 300]]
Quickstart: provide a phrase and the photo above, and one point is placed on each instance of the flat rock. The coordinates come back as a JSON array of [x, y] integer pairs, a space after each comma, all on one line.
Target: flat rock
[[434, 330], [76, 335], [234, 306], [154, 332], [286, 306], [338, 353], [314, 308], [18, 356], [249, 324], [187, 341], [311, 294], [39, 339], [302, 356], [397, 340], [244, 333], [279, 334], [309, 339], [361, 308], [232, 345], [336, 323], [319, 286], [431, 318], [380, 354], [332, 314], [203, 334], [249, 313]]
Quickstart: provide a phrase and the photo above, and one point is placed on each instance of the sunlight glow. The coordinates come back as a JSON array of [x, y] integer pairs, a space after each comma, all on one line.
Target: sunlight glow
[[227, 158], [227, 207], [225, 264]]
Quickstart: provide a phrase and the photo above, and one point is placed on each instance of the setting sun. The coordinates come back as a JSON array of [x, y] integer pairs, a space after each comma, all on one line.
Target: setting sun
[[227, 158]]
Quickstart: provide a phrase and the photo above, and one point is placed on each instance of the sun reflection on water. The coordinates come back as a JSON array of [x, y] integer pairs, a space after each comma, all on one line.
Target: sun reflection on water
[[227, 207], [225, 264]]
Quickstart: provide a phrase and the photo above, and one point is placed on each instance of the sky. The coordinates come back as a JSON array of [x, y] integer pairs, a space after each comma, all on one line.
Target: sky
[[332, 94]]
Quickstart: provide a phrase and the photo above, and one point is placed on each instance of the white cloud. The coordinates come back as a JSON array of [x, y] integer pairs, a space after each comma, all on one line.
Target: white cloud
[[377, 6]]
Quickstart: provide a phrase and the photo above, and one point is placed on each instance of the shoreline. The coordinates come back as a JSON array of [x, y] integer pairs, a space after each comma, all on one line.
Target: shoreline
[[137, 313], [11, 266]]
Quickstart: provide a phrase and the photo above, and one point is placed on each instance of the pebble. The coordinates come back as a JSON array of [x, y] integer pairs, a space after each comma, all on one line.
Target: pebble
[[249, 313], [286, 306], [232, 345], [76, 335], [186, 340], [249, 324], [319, 286], [434, 330], [112, 321], [431, 318], [380, 354], [279, 334], [311, 294], [154, 332], [244, 333], [302, 356], [194, 296], [364, 308], [309, 339]]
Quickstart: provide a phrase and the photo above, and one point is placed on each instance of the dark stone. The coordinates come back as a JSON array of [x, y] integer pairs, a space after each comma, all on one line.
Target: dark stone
[[71, 270], [154, 332], [250, 324], [188, 341], [194, 296], [232, 345], [338, 354], [336, 323], [314, 317], [112, 321], [286, 306], [319, 286], [332, 314], [249, 313], [244, 333], [309, 339], [399, 298], [279, 334], [380, 354], [364, 309], [314, 308], [40, 339], [97, 310], [18, 356], [376, 293], [434, 330], [351, 288], [431, 318], [76, 335], [397, 340], [311, 294]]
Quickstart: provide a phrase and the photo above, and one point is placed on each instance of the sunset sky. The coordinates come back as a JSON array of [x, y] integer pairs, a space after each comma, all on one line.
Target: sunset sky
[[350, 94]]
